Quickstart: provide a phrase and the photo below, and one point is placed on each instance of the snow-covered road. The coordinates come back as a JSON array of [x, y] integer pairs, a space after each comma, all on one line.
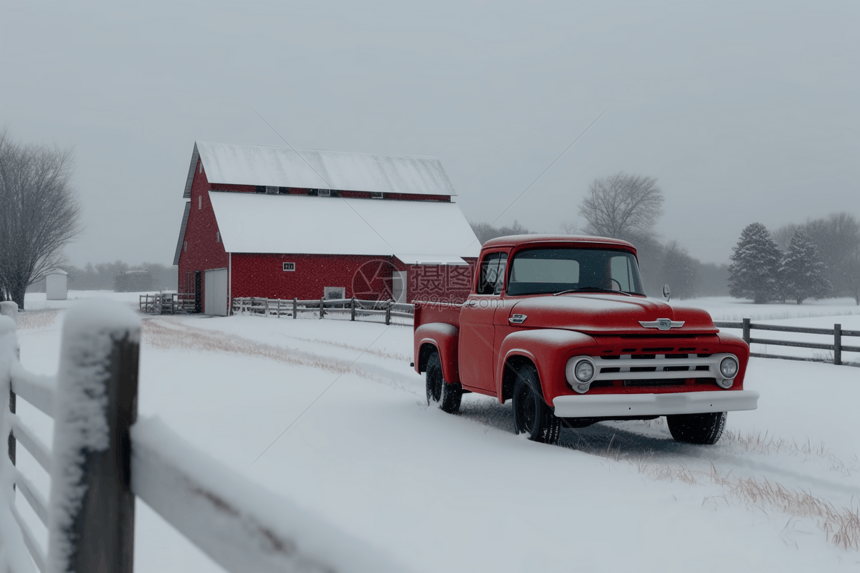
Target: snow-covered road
[[328, 414]]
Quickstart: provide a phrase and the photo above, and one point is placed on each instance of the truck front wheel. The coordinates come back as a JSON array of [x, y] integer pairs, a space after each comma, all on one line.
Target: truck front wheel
[[446, 396], [703, 429], [531, 414]]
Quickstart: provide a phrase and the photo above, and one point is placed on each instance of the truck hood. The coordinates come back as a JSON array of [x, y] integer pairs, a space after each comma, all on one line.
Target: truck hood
[[610, 315]]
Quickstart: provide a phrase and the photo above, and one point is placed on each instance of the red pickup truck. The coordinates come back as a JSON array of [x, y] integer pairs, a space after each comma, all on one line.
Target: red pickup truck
[[561, 326]]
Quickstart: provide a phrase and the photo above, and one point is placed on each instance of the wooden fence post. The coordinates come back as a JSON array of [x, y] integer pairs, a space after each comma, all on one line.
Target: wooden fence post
[[10, 309], [746, 334], [388, 311], [837, 344], [352, 309], [295, 307], [93, 529], [321, 308]]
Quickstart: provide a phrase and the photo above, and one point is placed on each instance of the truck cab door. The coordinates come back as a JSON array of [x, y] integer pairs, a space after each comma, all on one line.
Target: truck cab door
[[477, 349]]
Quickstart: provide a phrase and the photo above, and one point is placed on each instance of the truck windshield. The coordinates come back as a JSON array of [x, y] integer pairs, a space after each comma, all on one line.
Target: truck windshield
[[543, 271]]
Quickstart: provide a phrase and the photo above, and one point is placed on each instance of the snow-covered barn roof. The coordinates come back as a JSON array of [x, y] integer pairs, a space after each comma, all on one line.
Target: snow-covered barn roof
[[416, 232], [182, 232], [232, 164]]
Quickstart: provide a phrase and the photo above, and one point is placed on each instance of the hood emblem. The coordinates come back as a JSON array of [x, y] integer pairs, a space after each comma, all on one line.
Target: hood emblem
[[517, 319], [662, 323]]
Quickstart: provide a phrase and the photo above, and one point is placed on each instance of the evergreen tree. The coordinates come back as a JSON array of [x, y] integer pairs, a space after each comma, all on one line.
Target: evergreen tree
[[754, 272], [802, 272]]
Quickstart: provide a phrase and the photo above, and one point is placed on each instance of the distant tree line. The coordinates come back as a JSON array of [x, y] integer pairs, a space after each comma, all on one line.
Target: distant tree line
[[818, 259], [627, 207], [119, 276]]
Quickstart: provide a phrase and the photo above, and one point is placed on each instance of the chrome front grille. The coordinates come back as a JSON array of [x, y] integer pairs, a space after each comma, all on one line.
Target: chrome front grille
[[657, 367]]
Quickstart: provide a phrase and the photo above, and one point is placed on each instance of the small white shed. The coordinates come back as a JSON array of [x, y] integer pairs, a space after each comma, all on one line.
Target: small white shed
[[57, 285]]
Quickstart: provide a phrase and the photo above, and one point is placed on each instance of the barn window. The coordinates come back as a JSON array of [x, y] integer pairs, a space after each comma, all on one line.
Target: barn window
[[313, 192], [201, 167], [271, 190], [337, 293], [259, 188], [217, 236], [375, 195], [289, 266], [200, 201], [324, 192], [185, 246]]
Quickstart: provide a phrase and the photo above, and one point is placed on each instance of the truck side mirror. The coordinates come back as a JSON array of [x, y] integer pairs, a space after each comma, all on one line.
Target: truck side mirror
[[667, 292]]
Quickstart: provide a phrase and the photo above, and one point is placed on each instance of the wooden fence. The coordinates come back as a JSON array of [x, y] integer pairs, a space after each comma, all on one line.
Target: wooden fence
[[836, 333], [167, 303], [355, 308], [103, 459]]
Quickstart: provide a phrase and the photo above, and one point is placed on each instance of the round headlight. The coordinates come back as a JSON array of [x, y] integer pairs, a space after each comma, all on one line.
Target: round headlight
[[583, 371], [729, 367]]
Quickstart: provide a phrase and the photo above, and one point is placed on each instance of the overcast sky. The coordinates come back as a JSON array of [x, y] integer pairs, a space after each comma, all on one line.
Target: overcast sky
[[743, 111]]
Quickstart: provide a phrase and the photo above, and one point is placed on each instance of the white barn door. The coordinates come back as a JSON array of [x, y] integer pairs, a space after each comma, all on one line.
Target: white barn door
[[398, 286], [216, 292]]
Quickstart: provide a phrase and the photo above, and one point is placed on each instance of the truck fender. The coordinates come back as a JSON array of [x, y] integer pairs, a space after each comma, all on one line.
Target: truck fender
[[548, 349], [444, 338]]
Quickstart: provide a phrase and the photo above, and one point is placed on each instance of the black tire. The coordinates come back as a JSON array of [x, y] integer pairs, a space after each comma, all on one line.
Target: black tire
[[702, 429], [531, 414], [446, 396]]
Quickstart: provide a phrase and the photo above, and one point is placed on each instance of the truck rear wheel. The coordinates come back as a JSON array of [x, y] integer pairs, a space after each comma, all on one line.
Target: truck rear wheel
[[703, 429], [446, 396], [531, 414]]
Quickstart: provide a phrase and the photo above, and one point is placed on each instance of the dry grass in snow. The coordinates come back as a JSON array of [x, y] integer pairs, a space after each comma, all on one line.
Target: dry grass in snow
[[767, 444], [841, 526]]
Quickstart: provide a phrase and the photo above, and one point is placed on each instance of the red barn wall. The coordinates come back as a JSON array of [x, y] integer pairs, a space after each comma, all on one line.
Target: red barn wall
[[204, 251], [363, 277], [262, 275]]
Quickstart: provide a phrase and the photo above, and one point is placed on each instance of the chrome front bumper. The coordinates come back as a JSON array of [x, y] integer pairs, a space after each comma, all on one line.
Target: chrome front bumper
[[611, 405]]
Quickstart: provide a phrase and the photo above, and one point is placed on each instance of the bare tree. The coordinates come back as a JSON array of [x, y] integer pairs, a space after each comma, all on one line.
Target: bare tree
[[680, 270], [837, 238], [486, 231], [852, 274], [39, 214], [622, 206], [782, 236], [569, 228]]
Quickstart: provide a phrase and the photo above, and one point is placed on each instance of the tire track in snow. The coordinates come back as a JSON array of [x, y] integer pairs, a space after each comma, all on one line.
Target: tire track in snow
[[171, 336], [651, 452], [742, 479]]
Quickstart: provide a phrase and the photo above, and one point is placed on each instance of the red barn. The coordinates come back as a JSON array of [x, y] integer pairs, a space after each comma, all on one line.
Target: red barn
[[277, 222]]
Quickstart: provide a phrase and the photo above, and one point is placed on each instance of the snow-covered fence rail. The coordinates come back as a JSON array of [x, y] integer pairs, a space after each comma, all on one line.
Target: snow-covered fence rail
[[356, 308], [103, 458], [837, 346]]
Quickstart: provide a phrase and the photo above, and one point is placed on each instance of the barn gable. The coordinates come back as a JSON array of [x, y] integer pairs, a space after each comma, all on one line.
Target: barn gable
[[182, 229], [231, 164]]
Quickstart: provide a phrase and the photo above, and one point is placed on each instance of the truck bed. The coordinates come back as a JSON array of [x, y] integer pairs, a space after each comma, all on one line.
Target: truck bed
[[444, 312]]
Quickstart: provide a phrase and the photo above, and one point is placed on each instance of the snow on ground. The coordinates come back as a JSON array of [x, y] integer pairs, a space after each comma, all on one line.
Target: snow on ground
[[329, 415], [732, 309]]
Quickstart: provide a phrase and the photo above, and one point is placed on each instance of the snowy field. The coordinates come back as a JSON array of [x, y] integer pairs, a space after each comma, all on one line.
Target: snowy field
[[328, 414]]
